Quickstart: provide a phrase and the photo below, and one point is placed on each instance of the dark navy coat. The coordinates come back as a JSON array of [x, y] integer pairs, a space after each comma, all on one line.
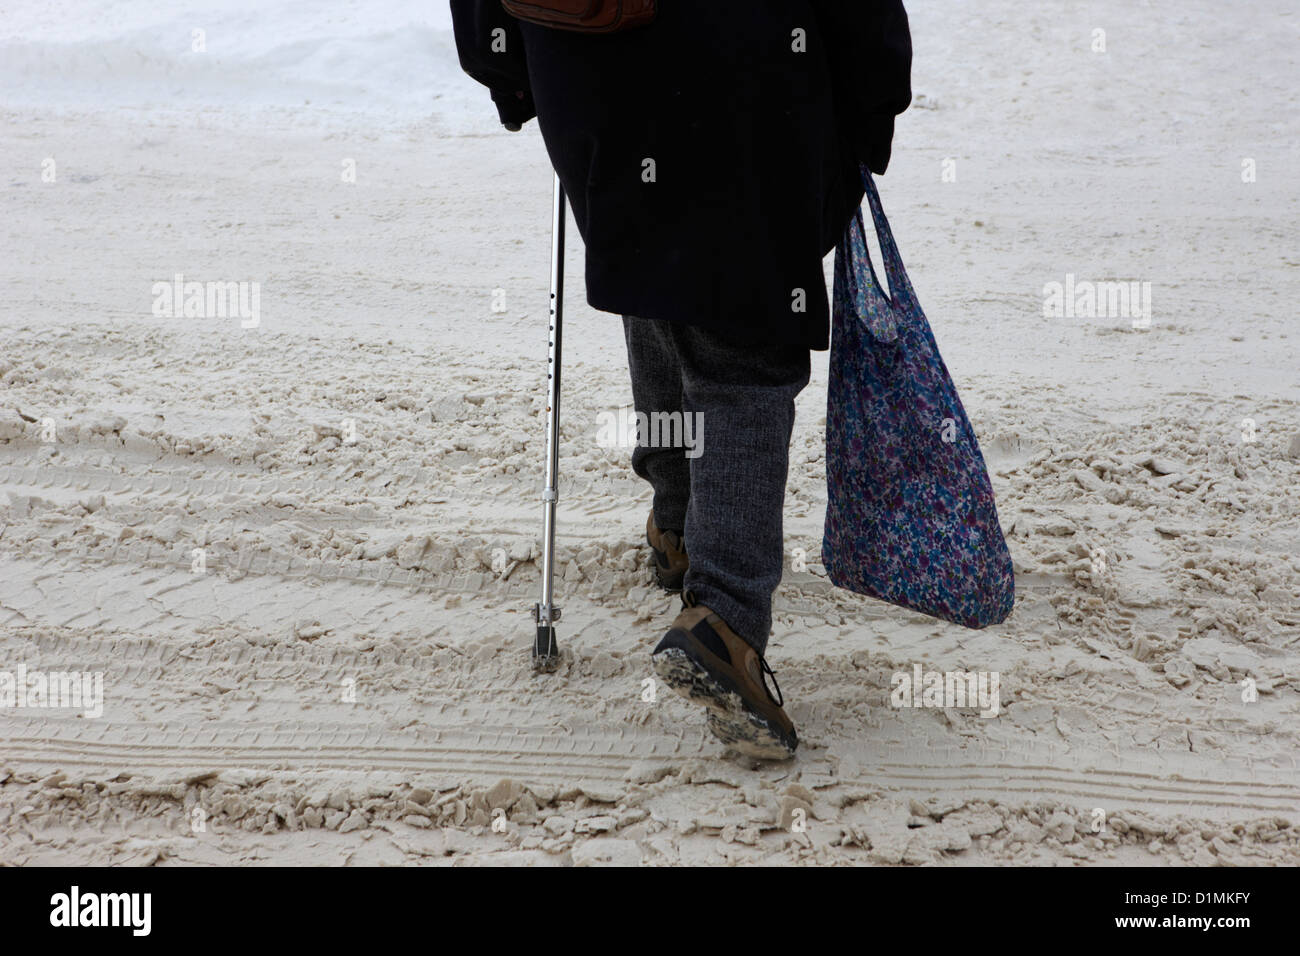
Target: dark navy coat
[[710, 158]]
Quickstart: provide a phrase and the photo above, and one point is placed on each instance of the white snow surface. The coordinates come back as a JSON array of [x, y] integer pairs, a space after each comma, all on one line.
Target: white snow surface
[[390, 60], [345, 677]]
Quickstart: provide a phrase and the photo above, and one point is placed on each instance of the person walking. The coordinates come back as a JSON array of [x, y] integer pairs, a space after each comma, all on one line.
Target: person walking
[[711, 158]]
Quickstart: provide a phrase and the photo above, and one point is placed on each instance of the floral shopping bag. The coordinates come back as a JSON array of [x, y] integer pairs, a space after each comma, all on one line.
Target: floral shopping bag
[[910, 515]]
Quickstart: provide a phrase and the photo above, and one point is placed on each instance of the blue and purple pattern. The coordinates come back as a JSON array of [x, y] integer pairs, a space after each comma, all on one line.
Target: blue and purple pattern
[[910, 515]]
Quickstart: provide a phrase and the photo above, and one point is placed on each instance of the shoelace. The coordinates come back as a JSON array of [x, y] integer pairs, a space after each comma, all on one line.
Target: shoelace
[[689, 600], [767, 672]]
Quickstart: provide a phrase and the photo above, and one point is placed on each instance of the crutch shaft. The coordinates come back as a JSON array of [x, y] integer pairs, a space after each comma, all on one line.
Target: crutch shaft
[[546, 611]]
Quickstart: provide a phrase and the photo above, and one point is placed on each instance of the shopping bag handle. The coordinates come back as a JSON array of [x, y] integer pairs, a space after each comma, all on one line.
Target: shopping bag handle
[[894, 270], [880, 310]]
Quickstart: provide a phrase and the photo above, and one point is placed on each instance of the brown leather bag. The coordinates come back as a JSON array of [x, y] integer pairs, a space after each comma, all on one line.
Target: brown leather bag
[[584, 16]]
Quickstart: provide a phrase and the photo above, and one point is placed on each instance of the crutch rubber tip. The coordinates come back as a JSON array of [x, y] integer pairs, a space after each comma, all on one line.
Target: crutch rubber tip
[[546, 652]]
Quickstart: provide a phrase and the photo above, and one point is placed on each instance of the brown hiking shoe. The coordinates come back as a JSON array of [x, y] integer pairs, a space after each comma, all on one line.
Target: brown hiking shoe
[[670, 561], [705, 661]]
